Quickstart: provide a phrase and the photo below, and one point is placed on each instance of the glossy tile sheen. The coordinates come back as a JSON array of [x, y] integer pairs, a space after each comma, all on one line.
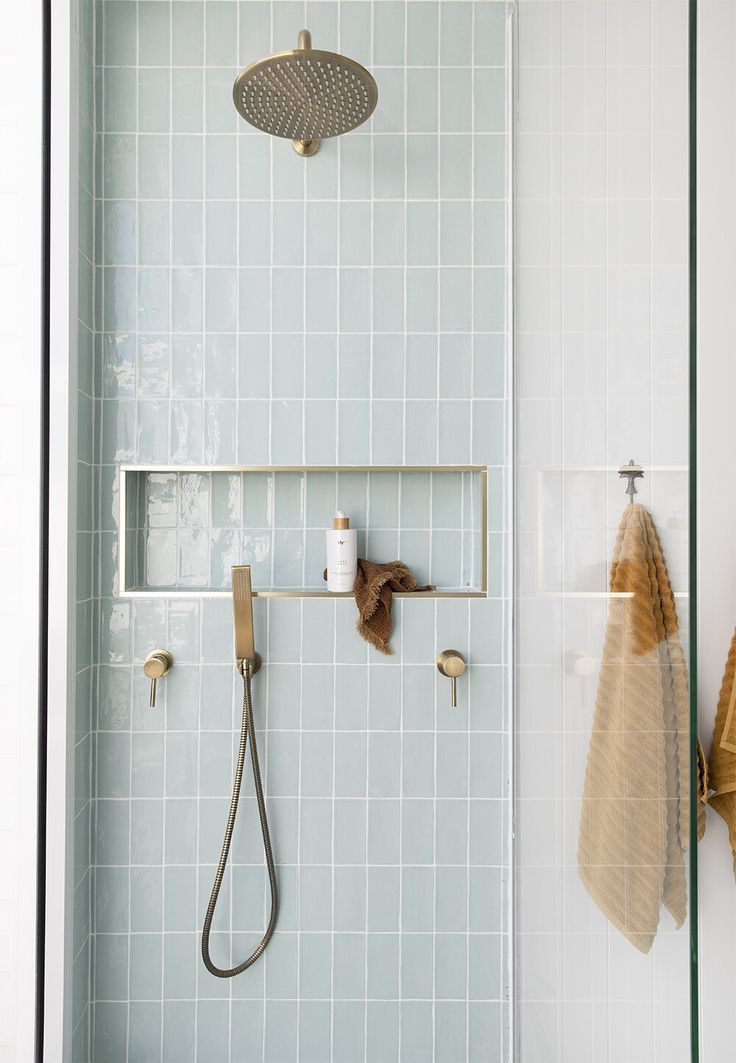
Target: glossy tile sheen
[[244, 307]]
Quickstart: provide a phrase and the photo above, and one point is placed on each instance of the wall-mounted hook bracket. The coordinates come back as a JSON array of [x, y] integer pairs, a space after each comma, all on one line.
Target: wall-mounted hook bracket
[[632, 473]]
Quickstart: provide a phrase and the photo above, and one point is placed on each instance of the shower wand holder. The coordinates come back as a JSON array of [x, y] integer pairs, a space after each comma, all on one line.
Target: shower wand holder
[[250, 665]]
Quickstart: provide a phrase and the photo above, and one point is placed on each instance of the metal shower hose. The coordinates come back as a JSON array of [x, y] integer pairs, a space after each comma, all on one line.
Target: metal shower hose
[[247, 732]]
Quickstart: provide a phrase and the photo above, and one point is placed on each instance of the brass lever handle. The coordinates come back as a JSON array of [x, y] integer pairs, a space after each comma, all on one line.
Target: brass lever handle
[[157, 664], [451, 664]]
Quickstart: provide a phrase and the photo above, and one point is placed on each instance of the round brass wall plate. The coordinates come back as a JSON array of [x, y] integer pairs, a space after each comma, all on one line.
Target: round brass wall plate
[[306, 148], [157, 664], [451, 663]]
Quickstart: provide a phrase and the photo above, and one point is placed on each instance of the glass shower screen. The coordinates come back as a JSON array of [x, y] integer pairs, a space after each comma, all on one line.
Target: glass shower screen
[[603, 842]]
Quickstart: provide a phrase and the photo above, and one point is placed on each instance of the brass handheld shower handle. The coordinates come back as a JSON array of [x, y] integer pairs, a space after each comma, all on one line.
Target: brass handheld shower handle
[[157, 664], [246, 657], [451, 664]]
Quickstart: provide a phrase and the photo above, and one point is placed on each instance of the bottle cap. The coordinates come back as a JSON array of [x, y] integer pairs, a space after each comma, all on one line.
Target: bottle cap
[[340, 520]]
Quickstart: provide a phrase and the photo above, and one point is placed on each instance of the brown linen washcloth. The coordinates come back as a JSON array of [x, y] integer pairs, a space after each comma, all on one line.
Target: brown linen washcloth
[[722, 763], [374, 589], [634, 820]]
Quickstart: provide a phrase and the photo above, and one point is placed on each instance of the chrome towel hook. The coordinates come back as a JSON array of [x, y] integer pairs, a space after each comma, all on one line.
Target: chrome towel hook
[[632, 472]]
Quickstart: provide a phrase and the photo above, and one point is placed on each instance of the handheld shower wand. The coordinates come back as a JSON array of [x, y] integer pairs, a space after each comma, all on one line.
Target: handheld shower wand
[[247, 662], [245, 651]]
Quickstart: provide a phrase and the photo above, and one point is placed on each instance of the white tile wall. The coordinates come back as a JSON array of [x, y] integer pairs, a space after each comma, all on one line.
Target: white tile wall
[[601, 373]]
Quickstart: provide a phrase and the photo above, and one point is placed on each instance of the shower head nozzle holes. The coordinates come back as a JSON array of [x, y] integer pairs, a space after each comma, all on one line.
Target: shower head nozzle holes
[[305, 95]]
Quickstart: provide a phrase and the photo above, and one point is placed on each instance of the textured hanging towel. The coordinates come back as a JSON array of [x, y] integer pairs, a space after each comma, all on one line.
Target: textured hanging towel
[[722, 763], [634, 819], [374, 589]]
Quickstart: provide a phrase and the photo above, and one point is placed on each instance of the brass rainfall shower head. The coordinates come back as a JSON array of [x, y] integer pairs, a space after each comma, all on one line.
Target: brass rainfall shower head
[[305, 95]]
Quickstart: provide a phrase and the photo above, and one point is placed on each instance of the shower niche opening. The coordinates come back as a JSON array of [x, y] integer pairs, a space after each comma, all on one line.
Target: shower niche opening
[[182, 528]]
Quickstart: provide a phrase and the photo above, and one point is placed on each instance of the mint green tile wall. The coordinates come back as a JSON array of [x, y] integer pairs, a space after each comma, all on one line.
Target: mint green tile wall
[[83, 12], [256, 308]]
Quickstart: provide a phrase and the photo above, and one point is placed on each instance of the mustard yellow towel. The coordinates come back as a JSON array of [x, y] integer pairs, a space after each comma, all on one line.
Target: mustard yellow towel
[[634, 819], [722, 763]]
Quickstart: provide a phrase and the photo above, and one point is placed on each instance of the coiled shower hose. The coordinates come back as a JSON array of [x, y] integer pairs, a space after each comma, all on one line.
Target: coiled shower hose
[[247, 733]]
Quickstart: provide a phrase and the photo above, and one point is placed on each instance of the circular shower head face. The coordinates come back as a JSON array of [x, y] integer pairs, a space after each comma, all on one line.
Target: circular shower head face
[[305, 95]]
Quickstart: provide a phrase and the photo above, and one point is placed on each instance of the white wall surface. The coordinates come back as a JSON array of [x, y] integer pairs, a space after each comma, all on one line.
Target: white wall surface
[[601, 377], [716, 494], [20, 362]]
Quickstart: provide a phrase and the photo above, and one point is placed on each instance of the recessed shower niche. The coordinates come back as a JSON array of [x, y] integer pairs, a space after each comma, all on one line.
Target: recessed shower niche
[[183, 527]]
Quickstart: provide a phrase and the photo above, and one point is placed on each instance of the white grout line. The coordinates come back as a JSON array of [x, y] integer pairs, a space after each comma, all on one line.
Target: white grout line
[[651, 439], [470, 452], [241, 486], [400, 855], [508, 905], [332, 837], [294, 795], [130, 770], [434, 840], [561, 1018], [94, 325], [170, 391]]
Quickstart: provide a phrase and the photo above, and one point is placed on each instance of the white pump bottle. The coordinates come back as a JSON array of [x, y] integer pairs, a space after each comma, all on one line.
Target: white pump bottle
[[342, 554]]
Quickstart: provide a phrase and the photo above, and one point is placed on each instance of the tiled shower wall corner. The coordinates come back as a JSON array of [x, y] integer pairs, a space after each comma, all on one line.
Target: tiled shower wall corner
[[87, 594], [255, 308]]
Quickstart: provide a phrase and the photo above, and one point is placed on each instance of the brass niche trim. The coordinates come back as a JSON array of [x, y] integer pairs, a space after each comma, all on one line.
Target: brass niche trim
[[126, 470]]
